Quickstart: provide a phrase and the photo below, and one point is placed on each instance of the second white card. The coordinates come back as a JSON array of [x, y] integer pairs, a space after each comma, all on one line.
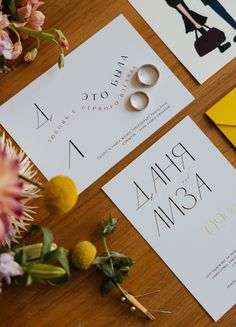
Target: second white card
[[180, 196]]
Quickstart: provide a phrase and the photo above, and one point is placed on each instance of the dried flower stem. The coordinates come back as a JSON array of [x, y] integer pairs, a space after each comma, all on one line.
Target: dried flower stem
[[149, 293], [26, 179], [135, 302], [126, 294]]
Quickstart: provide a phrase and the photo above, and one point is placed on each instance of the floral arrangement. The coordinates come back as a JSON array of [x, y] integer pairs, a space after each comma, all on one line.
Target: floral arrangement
[[33, 262], [18, 186], [42, 262], [11, 226], [19, 20], [22, 262]]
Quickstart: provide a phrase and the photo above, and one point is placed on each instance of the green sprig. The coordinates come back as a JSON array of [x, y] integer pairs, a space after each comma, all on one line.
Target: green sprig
[[114, 265]]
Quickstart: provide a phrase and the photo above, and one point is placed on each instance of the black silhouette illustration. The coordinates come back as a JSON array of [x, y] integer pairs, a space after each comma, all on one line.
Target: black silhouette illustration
[[210, 39], [222, 12]]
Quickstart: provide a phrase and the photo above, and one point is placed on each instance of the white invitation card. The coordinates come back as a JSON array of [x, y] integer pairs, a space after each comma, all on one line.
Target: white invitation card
[[201, 33], [77, 121], [180, 196]]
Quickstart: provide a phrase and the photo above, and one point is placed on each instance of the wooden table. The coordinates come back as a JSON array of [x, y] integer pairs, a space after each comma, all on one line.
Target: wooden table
[[80, 300]]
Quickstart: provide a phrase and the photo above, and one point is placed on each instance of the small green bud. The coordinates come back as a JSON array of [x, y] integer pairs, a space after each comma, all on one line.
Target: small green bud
[[34, 251], [31, 55], [44, 272], [61, 60]]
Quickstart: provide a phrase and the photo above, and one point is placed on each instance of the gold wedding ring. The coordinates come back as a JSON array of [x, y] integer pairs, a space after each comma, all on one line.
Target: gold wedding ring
[[139, 100], [148, 75]]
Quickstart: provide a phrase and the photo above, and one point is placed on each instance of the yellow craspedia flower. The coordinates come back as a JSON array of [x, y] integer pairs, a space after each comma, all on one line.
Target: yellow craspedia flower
[[60, 194], [83, 255]]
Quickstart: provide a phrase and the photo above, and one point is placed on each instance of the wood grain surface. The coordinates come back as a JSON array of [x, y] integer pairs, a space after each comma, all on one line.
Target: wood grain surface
[[79, 301]]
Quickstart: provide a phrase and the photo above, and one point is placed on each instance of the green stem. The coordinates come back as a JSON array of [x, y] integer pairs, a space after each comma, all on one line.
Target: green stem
[[38, 43], [40, 34], [122, 290], [50, 30], [109, 255], [12, 27]]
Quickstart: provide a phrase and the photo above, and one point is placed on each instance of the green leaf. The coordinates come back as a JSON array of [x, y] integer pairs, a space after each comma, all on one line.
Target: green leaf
[[124, 271], [117, 255], [107, 287], [4, 249], [47, 241], [109, 227], [33, 229], [122, 264], [60, 255], [11, 6], [107, 270], [21, 257], [126, 261], [60, 281], [119, 278], [29, 280], [101, 260]]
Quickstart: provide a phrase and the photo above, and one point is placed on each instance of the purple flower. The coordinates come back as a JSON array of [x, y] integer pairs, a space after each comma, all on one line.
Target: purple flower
[[8, 268]]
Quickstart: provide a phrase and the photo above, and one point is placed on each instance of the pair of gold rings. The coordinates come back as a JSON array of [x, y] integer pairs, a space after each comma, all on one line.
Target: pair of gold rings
[[147, 76]]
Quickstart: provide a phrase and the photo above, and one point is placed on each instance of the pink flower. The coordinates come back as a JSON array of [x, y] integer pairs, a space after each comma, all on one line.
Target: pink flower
[[10, 191], [9, 50], [36, 20], [17, 49], [31, 2], [6, 45], [31, 55], [4, 22], [64, 43], [3, 227], [33, 18], [8, 268], [25, 12]]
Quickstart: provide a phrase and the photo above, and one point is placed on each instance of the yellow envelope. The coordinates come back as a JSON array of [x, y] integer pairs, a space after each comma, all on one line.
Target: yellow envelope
[[223, 114]]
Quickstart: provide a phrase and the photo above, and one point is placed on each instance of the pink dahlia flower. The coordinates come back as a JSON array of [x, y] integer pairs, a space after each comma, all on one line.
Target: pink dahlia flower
[[10, 191], [4, 226]]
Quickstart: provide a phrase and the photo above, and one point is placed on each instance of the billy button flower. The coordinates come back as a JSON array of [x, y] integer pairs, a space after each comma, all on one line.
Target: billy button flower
[[60, 193], [83, 255]]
